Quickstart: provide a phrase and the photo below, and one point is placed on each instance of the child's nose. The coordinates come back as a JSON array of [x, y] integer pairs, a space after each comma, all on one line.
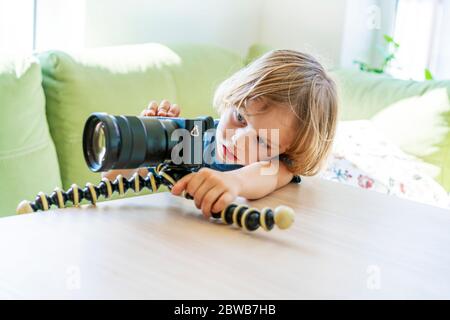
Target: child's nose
[[244, 144], [241, 133]]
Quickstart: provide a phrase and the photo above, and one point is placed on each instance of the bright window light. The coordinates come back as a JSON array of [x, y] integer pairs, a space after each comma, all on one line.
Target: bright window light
[[60, 24], [16, 25], [416, 25]]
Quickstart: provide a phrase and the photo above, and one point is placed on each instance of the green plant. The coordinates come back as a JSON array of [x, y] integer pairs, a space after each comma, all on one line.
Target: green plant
[[389, 55], [428, 75]]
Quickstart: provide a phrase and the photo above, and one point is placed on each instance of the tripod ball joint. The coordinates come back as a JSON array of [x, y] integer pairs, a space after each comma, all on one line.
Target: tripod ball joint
[[24, 207]]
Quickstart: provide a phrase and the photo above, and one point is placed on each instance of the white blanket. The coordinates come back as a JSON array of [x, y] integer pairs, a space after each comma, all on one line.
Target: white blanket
[[362, 157]]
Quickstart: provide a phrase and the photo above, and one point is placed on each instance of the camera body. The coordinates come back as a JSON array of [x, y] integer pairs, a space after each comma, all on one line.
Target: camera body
[[129, 142]]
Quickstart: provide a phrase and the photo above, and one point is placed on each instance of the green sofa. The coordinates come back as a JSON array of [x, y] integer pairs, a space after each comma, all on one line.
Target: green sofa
[[46, 98]]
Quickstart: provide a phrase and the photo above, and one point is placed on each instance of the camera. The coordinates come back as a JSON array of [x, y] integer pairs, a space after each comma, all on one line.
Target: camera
[[129, 142]]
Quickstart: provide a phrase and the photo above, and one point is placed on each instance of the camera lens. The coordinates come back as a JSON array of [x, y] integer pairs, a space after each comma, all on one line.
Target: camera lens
[[101, 141]]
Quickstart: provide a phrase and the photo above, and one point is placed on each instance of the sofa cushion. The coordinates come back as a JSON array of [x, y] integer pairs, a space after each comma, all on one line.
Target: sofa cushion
[[362, 95], [416, 124], [122, 80], [28, 161]]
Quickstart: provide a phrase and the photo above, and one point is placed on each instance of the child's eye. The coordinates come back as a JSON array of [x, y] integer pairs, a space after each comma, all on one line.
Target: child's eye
[[261, 141], [239, 117]]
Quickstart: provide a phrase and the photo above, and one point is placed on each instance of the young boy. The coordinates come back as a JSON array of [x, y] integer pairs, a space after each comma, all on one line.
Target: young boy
[[278, 112]]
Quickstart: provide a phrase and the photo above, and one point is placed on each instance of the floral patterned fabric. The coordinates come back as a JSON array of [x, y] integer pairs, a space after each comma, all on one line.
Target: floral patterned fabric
[[363, 158]]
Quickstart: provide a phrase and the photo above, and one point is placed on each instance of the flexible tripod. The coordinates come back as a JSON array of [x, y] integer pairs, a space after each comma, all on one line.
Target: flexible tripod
[[166, 174]]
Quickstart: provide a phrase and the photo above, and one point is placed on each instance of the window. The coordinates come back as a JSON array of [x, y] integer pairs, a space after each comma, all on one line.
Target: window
[[420, 31], [60, 24], [27, 25], [17, 25]]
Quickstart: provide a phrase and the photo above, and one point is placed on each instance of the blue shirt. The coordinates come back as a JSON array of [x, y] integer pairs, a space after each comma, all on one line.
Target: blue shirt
[[211, 160]]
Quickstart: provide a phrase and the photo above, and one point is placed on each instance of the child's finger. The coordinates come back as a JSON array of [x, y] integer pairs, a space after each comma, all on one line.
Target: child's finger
[[151, 109], [163, 108], [143, 172], [224, 200], [209, 199], [201, 191], [195, 183], [174, 111], [148, 113], [178, 188]]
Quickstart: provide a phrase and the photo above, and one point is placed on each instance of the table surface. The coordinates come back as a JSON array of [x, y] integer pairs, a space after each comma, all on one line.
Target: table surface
[[345, 243]]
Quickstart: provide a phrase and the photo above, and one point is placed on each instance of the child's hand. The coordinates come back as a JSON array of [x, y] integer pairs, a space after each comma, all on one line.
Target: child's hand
[[165, 109], [212, 190]]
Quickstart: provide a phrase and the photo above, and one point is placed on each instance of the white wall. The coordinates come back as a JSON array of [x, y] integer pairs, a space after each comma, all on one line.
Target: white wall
[[362, 17], [387, 24], [16, 26], [337, 32], [229, 23], [366, 21], [66, 24], [60, 24], [334, 31], [312, 26]]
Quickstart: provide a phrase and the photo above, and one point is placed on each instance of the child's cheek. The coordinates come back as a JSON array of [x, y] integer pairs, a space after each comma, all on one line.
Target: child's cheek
[[223, 127], [219, 143]]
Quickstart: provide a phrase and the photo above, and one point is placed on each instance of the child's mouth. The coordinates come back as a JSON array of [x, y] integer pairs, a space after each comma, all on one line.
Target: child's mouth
[[228, 154]]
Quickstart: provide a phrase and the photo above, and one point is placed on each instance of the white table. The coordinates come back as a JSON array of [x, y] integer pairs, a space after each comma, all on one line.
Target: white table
[[345, 243]]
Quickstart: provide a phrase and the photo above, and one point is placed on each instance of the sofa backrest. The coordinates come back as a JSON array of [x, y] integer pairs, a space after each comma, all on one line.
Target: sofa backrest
[[122, 80], [363, 94]]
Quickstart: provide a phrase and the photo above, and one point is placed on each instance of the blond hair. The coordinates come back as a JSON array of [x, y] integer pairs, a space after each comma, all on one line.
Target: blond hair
[[299, 81]]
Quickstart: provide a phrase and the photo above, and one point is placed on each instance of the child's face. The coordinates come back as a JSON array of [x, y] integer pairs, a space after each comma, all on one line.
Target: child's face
[[254, 133]]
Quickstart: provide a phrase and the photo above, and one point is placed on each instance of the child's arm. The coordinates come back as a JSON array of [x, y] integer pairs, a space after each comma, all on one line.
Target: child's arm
[[214, 190], [260, 179], [165, 109]]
